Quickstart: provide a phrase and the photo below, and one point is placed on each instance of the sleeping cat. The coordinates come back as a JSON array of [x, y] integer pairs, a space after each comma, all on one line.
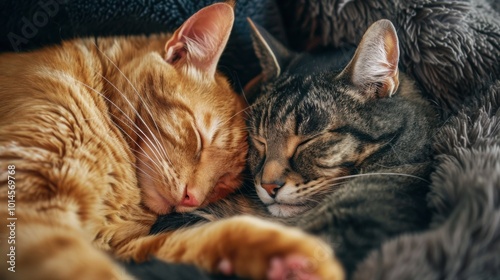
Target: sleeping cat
[[98, 136], [345, 134], [340, 144]]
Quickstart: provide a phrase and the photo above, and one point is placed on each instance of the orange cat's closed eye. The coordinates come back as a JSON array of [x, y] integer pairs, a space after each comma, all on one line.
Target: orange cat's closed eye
[[108, 133]]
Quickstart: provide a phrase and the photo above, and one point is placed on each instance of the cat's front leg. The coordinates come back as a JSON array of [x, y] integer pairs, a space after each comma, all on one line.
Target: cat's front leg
[[46, 248], [245, 246]]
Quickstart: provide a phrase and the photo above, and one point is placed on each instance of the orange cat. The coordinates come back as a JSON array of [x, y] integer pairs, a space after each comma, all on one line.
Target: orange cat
[[99, 136]]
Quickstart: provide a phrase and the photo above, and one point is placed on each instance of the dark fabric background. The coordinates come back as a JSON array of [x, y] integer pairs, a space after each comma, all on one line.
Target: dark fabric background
[[30, 24]]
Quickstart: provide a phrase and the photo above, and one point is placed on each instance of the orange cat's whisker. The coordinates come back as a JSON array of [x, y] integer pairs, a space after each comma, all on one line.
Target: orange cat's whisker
[[237, 113], [142, 100], [158, 147], [142, 150], [142, 161], [91, 88]]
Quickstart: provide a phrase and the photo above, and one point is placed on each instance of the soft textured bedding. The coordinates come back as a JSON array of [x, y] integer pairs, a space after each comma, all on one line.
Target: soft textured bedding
[[452, 49]]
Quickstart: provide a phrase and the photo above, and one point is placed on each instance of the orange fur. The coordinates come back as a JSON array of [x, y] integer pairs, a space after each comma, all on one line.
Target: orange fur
[[105, 135]]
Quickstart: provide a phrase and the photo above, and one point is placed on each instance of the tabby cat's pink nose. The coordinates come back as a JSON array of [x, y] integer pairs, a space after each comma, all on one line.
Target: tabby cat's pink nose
[[271, 189], [189, 200]]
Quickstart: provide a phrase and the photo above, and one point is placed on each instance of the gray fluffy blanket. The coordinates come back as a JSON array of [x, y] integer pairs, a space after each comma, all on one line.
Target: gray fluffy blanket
[[464, 241], [450, 47]]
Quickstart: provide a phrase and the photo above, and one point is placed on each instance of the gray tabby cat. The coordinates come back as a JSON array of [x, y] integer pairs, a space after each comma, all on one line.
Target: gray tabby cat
[[341, 151], [354, 139]]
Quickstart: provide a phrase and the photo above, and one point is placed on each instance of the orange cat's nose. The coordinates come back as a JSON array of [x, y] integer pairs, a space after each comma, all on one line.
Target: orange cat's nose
[[189, 200]]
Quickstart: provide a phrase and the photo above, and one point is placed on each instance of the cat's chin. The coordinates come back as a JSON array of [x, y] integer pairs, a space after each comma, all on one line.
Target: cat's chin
[[156, 202], [286, 210], [184, 209]]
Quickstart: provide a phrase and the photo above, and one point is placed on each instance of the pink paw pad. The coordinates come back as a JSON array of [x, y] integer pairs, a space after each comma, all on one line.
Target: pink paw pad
[[225, 267], [291, 268]]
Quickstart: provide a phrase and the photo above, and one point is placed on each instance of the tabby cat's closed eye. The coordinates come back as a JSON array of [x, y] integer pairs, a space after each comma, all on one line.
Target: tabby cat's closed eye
[[259, 143]]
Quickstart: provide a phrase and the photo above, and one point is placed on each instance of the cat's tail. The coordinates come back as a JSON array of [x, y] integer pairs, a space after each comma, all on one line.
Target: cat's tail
[[464, 242]]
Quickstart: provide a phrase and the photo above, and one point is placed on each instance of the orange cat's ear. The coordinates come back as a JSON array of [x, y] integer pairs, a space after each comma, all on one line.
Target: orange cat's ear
[[199, 42], [374, 67]]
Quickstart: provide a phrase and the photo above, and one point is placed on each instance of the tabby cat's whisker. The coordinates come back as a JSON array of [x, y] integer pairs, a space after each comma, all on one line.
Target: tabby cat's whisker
[[311, 203], [322, 187], [379, 173], [140, 97]]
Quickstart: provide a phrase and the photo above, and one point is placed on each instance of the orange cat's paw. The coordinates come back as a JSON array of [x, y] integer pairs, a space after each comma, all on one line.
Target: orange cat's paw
[[250, 248], [292, 267], [262, 250]]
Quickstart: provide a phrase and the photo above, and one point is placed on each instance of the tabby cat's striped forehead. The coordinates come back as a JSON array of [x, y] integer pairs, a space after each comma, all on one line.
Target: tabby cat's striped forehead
[[304, 105]]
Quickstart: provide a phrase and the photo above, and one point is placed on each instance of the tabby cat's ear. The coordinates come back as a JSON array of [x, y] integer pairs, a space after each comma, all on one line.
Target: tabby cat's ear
[[199, 42], [374, 67], [272, 55]]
